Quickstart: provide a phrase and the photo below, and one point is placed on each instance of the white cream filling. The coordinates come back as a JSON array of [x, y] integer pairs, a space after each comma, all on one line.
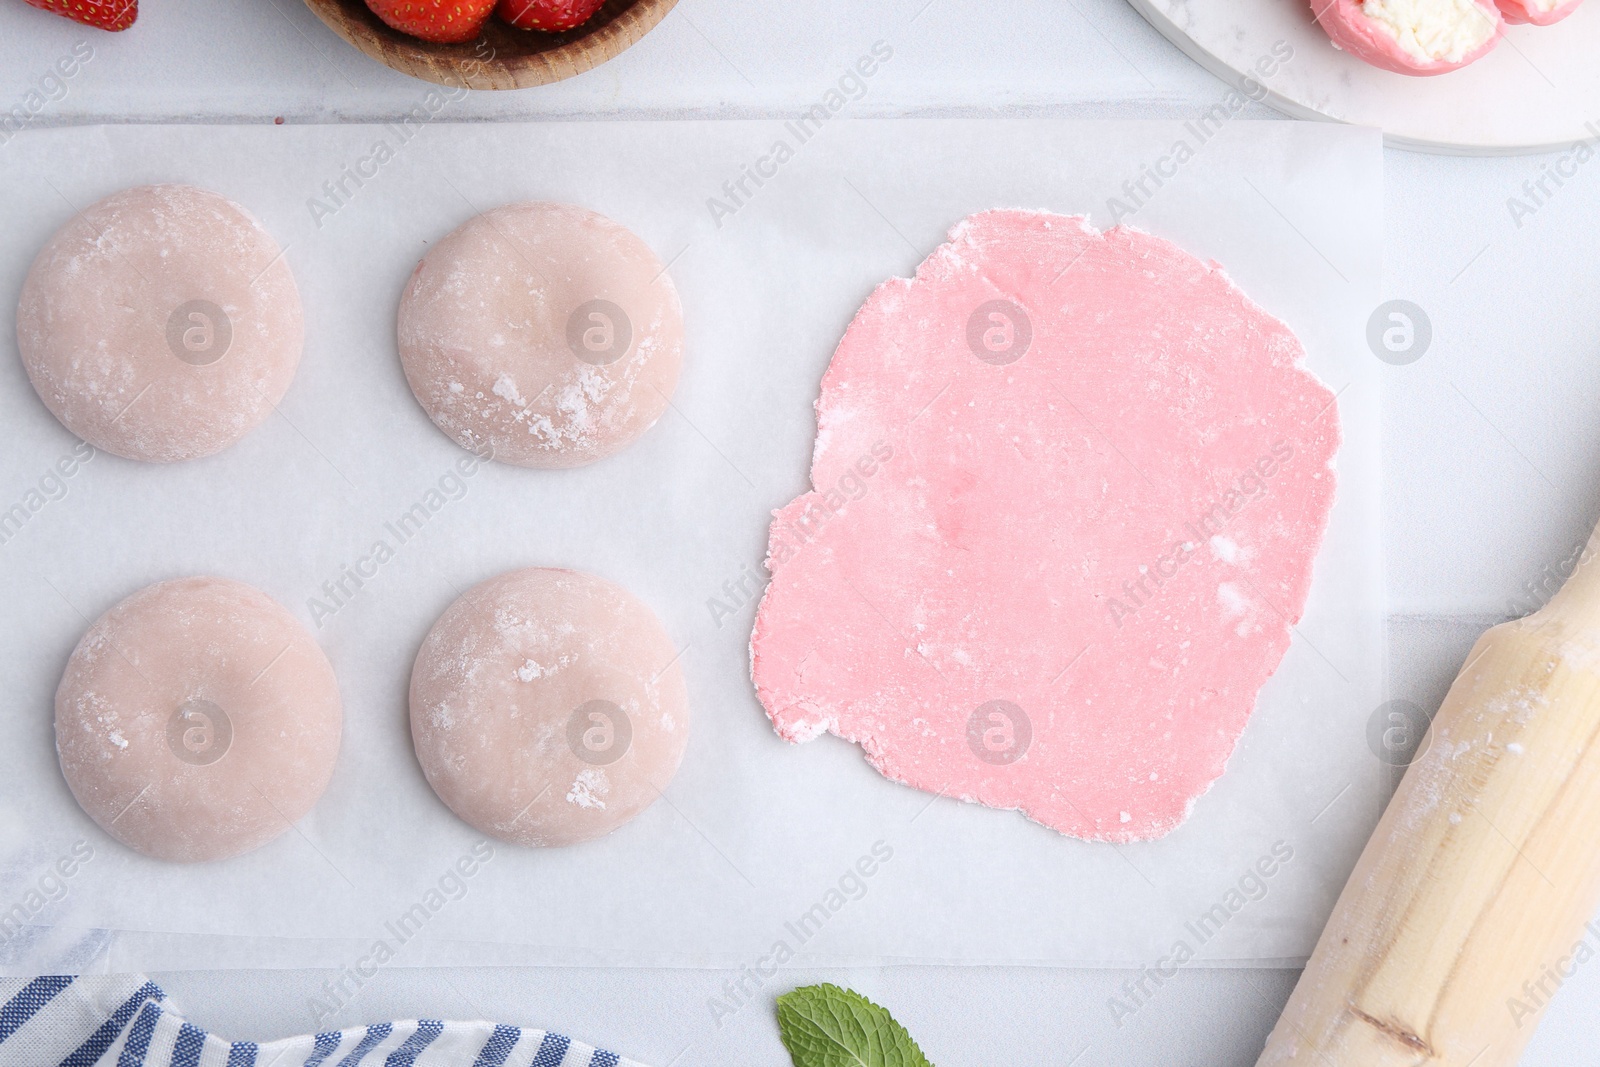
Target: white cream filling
[[1433, 30]]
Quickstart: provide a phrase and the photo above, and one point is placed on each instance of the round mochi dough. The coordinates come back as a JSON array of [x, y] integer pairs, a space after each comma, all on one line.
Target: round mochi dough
[[160, 324], [547, 707], [197, 720], [542, 334]]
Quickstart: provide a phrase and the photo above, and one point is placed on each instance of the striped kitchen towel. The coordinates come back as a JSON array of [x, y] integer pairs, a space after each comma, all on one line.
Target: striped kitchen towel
[[123, 1021]]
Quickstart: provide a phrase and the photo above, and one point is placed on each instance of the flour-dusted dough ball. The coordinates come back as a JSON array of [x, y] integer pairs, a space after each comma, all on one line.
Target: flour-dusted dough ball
[[161, 323], [544, 334], [547, 707], [197, 720]]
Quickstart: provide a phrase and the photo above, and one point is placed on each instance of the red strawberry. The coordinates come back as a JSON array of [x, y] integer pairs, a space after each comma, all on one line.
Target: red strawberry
[[552, 16], [441, 21], [105, 14]]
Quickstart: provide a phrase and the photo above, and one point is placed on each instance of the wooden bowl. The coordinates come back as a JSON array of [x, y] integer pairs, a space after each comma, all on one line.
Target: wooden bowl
[[503, 57]]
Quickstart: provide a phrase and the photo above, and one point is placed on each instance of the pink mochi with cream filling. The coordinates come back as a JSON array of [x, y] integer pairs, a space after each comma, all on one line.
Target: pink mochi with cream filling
[[1537, 12], [1069, 487], [1410, 45]]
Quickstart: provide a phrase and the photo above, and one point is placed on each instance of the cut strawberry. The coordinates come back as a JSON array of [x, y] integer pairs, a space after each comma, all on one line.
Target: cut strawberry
[[552, 16], [102, 14], [440, 21]]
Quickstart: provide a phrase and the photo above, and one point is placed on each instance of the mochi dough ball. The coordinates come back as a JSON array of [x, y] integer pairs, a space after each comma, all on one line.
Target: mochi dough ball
[[197, 720], [547, 707], [161, 324], [543, 334]]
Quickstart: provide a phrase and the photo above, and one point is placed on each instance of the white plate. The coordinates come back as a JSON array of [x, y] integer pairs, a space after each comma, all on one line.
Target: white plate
[[1539, 90]]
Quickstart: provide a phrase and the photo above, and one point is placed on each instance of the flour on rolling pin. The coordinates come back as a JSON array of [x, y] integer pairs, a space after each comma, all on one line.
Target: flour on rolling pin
[[1483, 870]]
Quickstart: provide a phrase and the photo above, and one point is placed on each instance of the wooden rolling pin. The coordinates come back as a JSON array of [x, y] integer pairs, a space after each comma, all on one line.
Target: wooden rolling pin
[[1466, 911]]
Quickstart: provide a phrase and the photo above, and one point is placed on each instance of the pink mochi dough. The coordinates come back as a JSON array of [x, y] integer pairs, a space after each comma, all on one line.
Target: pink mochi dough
[[1351, 27], [1532, 11], [1069, 487]]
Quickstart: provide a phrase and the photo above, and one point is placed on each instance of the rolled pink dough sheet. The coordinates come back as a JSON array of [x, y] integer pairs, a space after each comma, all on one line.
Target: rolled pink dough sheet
[[197, 720], [162, 323], [547, 707], [545, 335], [1068, 491]]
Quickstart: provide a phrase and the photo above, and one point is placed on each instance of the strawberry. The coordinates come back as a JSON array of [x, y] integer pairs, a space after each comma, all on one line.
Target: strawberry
[[553, 16], [104, 14], [440, 21]]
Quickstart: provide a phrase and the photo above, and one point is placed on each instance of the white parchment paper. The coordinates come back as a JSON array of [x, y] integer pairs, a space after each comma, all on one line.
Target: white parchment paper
[[753, 834]]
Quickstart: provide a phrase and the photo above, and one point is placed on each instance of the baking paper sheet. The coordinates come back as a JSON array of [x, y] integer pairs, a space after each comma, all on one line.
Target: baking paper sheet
[[753, 834]]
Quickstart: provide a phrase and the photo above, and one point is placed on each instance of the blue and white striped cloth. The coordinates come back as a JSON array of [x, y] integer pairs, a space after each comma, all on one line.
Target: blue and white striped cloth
[[123, 1021]]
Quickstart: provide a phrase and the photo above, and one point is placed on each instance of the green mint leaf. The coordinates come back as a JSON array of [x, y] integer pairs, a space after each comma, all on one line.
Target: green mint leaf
[[825, 1026]]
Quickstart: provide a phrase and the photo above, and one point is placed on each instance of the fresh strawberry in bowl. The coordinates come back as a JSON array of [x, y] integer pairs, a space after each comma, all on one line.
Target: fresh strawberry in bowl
[[552, 16], [439, 21], [102, 14]]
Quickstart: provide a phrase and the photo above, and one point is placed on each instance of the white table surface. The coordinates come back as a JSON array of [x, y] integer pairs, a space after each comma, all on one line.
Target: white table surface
[[1492, 441]]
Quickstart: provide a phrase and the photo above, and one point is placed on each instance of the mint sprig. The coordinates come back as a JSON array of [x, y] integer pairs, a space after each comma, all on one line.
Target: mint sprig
[[825, 1026]]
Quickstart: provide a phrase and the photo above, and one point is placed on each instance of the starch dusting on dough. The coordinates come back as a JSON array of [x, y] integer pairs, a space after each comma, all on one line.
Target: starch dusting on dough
[[1069, 487]]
